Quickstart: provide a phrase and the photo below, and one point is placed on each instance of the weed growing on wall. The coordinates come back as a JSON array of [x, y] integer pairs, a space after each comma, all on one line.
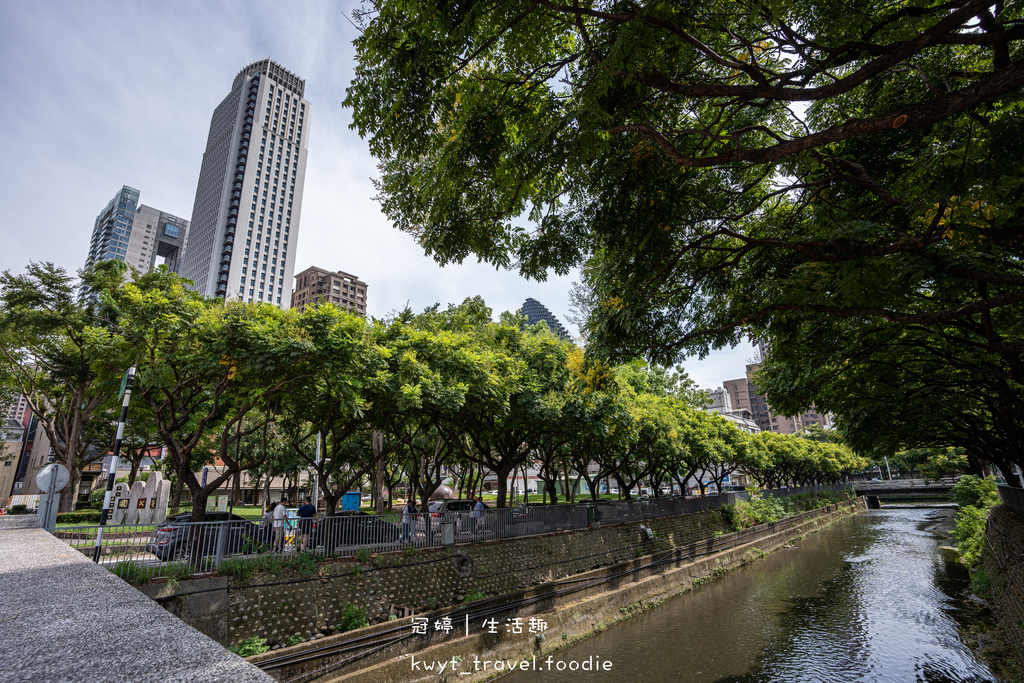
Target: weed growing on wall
[[352, 617], [250, 647]]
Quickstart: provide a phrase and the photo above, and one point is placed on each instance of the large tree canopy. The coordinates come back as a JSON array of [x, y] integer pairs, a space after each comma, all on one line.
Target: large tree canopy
[[825, 175]]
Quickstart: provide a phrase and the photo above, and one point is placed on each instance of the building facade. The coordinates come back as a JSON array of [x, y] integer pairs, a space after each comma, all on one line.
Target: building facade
[[159, 238], [245, 220], [138, 235], [18, 409], [536, 312], [744, 396], [344, 290], [719, 401]]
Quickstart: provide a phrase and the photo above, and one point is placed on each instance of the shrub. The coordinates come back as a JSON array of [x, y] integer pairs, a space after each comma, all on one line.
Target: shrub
[[303, 563], [250, 646], [748, 513], [969, 531], [976, 492], [363, 556], [177, 571], [729, 516], [79, 517], [242, 569], [18, 510], [352, 617], [981, 584]]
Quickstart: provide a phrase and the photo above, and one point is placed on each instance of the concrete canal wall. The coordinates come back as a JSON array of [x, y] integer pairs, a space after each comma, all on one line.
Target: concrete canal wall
[[1003, 561]]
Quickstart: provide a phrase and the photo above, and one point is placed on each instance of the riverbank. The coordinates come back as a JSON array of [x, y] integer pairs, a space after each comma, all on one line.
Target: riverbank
[[617, 593]]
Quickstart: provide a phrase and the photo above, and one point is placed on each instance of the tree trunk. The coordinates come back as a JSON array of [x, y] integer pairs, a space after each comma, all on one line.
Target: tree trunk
[[133, 473], [176, 493], [69, 495], [502, 486]]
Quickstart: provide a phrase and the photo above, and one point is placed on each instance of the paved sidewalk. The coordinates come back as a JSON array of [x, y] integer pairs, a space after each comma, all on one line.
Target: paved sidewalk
[[63, 618]]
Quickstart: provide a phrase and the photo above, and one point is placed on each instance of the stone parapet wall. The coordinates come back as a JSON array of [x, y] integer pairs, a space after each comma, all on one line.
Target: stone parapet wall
[[1003, 561]]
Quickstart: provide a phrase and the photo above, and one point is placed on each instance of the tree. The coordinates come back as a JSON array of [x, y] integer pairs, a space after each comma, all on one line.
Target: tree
[[345, 367], [53, 350], [662, 134], [504, 421], [204, 367], [895, 389], [819, 174], [932, 463]]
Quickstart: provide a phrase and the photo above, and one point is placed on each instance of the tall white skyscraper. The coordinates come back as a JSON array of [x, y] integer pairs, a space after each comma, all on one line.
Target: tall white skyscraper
[[245, 221]]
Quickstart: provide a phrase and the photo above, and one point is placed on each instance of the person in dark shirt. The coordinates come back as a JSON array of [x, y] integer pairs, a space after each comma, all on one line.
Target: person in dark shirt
[[306, 514]]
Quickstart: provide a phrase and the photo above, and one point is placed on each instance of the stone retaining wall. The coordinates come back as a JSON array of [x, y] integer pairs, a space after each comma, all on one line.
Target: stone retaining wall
[[283, 606], [1003, 561]]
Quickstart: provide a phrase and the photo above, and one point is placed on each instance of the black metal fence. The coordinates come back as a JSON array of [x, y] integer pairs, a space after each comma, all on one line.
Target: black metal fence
[[178, 549]]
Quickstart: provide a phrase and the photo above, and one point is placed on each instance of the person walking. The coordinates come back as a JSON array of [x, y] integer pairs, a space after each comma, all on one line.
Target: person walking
[[280, 513], [478, 515], [408, 510], [306, 515], [266, 525]]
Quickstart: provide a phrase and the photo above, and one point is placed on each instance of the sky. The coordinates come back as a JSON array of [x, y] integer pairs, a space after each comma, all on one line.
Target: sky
[[99, 95]]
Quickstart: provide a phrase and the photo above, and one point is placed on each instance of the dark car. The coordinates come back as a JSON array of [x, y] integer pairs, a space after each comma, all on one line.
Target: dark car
[[172, 537], [351, 527]]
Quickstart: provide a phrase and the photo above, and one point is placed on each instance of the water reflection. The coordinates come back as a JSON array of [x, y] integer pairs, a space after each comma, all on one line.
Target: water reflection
[[869, 599]]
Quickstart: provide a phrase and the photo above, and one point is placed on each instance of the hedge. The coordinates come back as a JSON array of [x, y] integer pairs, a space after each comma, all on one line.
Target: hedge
[[79, 517]]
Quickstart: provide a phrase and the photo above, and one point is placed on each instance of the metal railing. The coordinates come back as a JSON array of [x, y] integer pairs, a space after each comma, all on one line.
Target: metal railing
[[139, 553]]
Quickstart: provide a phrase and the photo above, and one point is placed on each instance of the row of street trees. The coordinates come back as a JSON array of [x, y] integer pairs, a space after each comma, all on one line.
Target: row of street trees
[[841, 180], [416, 397]]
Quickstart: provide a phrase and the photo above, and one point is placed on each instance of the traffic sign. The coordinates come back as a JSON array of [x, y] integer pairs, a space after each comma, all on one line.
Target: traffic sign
[[53, 477]]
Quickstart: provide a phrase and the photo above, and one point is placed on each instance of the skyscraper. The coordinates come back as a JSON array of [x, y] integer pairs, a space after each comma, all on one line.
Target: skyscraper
[[245, 221], [535, 312], [136, 234]]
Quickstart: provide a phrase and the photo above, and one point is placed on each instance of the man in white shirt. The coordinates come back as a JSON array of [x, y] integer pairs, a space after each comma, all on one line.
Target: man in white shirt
[[280, 513]]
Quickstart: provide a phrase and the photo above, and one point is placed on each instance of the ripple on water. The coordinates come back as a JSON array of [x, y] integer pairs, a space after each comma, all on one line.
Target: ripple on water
[[868, 599]]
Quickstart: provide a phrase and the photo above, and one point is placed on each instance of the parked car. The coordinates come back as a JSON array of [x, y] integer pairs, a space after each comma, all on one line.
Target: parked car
[[171, 538], [352, 528]]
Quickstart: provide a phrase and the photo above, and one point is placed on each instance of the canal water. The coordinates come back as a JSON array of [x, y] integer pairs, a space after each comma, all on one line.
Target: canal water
[[870, 598]]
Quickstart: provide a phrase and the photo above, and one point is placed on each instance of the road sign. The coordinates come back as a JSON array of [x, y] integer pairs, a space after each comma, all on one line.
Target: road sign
[[124, 384], [53, 477]]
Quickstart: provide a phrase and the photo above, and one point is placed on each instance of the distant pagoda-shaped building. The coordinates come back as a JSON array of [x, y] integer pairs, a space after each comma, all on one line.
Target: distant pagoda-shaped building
[[535, 312]]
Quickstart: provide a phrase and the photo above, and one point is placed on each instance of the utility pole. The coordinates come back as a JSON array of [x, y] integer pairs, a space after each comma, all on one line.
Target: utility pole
[[108, 497]]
